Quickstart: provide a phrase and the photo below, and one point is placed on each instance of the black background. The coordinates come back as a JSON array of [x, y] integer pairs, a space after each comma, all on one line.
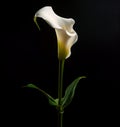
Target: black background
[[30, 56]]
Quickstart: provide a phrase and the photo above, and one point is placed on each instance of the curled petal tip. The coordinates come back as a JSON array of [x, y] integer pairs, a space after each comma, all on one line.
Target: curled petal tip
[[35, 20]]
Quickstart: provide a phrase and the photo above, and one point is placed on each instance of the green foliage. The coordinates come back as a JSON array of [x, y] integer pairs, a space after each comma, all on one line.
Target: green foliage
[[68, 97], [52, 101], [70, 91]]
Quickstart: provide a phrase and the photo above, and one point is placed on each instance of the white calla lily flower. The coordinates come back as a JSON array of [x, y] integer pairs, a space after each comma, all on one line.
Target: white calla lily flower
[[66, 36]]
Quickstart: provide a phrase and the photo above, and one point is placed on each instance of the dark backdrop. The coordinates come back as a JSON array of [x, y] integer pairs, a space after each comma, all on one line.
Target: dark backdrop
[[30, 56]]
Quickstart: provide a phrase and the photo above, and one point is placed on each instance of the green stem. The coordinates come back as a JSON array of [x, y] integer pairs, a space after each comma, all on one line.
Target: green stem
[[60, 87]]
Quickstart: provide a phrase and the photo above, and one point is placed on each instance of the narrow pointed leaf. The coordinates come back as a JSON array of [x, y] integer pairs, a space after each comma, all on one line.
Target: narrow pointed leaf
[[51, 100], [70, 91], [53, 103]]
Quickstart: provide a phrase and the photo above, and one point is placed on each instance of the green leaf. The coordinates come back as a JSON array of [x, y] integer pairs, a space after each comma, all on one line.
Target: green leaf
[[52, 101], [70, 91]]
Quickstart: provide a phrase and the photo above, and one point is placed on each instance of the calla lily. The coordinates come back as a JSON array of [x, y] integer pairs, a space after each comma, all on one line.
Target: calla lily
[[66, 36]]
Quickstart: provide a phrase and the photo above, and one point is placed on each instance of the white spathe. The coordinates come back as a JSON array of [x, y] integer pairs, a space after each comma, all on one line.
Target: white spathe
[[66, 36]]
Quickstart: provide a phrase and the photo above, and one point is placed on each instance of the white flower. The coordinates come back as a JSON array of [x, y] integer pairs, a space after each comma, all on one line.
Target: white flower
[[66, 36]]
